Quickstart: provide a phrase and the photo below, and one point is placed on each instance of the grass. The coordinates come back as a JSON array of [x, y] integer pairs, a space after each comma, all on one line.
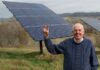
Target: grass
[[29, 59]]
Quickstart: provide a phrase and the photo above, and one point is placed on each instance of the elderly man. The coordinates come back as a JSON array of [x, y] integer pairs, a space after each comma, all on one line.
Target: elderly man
[[79, 52]]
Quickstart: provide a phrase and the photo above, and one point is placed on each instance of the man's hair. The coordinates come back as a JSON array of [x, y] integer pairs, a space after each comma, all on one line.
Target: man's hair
[[79, 25]]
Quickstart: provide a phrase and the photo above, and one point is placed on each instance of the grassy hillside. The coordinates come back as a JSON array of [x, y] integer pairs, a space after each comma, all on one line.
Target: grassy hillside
[[12, 34], [29, 59]]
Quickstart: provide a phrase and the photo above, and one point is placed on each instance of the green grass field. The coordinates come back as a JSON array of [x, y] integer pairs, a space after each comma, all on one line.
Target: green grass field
[[29, 59]]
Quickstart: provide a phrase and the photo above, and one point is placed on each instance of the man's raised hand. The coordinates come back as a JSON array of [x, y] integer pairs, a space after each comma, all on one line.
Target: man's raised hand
[[46, 31]]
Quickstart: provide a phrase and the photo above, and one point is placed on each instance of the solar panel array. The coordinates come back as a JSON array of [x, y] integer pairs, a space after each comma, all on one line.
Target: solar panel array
[[34, 16], [95, 23]]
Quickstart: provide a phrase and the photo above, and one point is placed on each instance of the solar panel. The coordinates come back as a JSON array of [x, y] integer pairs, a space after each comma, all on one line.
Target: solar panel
[[34, 16], [95, 23]]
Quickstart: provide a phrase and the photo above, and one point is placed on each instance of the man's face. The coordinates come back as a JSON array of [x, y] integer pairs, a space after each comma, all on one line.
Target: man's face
[[78, 32]]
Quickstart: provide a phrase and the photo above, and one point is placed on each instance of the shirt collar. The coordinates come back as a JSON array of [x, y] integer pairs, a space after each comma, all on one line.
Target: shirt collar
[[78, 41]]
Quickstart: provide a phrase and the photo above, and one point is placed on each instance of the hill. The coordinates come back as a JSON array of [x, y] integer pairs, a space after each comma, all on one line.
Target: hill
[[81, 14]]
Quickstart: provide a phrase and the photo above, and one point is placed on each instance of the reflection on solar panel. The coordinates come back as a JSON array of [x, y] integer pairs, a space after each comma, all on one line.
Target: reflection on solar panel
[[34, 16], [95, 23]]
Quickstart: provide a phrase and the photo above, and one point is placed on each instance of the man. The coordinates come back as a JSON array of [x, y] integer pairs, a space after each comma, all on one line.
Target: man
[[79, 52]]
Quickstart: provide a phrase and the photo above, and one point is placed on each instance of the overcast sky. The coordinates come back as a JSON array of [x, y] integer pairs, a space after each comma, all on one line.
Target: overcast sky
[[60, 6]]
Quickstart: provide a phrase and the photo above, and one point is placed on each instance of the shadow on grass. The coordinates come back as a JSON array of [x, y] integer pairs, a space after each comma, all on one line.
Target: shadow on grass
[[15, 55], [33, 56]]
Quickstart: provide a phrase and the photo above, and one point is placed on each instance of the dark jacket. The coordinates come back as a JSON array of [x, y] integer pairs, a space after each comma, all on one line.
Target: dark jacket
[[77, 56]]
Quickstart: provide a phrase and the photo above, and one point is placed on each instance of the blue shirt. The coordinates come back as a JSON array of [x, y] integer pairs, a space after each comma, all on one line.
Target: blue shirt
[[77, 56]]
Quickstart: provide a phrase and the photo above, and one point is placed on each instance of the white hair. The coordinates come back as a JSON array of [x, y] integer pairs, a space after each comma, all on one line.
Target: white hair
[[78, 24]]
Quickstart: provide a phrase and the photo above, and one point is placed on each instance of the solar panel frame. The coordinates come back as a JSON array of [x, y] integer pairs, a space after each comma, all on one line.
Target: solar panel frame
[[33, 23], [95, 23]]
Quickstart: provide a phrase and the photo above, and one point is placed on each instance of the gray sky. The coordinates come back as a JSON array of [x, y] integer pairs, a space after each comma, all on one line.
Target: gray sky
[[60, 6]]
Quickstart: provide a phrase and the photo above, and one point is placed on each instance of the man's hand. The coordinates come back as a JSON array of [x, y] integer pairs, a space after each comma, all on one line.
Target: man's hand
[[46, 31]]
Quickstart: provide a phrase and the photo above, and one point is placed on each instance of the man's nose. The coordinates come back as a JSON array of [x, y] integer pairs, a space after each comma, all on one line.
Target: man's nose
[[77, 31]]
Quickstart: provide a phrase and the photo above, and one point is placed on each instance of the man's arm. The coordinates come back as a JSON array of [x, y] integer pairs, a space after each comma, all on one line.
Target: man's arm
[[93, 59], [54, 49]]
